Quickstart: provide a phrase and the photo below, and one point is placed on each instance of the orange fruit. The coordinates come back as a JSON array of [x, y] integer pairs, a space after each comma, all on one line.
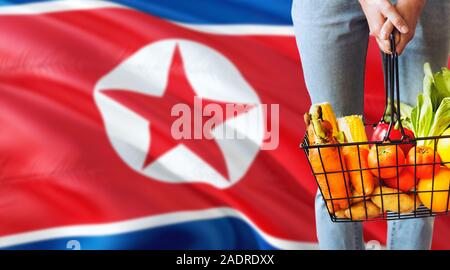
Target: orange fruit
[[441, 201], [385, 161]]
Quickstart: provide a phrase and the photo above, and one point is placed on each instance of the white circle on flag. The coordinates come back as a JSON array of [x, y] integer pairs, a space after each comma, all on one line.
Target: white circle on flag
[[212, 76]]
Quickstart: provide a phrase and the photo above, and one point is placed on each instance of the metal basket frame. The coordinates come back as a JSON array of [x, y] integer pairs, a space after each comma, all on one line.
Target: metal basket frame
[[392, 92]]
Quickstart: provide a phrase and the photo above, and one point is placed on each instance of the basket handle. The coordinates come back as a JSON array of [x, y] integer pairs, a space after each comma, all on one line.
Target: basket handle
[[392, 89]]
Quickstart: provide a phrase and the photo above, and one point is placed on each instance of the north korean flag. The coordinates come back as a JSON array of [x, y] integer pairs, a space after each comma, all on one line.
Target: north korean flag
[[90, 92]]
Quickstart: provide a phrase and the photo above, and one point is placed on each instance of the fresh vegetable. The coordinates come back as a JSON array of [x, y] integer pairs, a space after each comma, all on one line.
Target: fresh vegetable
[[424, 158], [395, 135], [405, 114], [354, 131], [387, 157], [359, 178], [437, 85], [340, 214], [358, 211], [431, 116], [405, 182], [388, 200], [357, 197], [443, 148], [325, 161], [440, 195], [328, 115], [353, 128]]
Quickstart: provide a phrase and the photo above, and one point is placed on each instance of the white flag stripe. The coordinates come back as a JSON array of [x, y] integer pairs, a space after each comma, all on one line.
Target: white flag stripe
[[55, 6]]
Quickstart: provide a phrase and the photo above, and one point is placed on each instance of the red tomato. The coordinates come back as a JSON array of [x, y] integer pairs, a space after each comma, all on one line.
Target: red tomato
[[424, 155], [387, 156], [380, 132], [406, 181]]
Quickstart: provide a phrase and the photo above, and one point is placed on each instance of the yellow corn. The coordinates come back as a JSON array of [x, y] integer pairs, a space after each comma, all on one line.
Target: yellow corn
[[353, 128], [328, 114]]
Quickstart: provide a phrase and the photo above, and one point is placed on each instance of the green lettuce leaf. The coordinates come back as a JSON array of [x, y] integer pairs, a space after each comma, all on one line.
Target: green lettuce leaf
[[426, 116], [427, 70], [414, 120], [442, 83], [431, 116], [436, 86], [442, 119], [415, 114], [405, 114]]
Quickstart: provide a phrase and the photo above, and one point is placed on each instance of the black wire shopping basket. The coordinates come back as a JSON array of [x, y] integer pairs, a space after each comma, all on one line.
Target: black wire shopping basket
[[429, 198]]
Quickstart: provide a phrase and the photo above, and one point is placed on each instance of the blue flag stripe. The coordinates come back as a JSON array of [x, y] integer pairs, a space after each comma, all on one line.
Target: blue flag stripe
[[267, 12], [221, 233]]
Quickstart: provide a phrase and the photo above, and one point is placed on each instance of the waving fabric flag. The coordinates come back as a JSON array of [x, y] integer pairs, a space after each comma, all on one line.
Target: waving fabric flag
[[87, 158]]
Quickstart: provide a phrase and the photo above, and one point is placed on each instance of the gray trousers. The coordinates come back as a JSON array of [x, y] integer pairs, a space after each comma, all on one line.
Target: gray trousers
[[332, 38]]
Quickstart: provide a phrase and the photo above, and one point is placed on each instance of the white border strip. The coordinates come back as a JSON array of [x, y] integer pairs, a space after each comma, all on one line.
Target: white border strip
[[55, 6], [241, 29], [144, 223], [68, 5]]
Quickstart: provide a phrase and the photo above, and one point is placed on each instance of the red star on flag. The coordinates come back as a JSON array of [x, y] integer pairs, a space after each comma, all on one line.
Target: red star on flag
[[157, 110]]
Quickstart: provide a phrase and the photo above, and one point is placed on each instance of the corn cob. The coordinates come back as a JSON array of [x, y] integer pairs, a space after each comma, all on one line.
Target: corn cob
[[353, 128]]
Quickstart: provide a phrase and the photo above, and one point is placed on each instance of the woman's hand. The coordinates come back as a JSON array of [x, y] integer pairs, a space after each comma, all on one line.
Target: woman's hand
[[379, 12], [410, 10]]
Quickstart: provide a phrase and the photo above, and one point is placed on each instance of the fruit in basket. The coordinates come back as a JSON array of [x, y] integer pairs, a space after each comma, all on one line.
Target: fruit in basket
[[389, 199], [405, 181], [340, 214], [358, 211], [358, 197], [386, 156], [395, 135], [440, 191], [443, 148], [424, 155], [325, 161]]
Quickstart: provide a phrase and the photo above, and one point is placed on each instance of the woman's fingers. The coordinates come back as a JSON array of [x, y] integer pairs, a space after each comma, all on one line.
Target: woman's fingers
[[402, 44], [397, 38], [383, 18], [384, 39], [391, 13], [384, 45], [386, 29]]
